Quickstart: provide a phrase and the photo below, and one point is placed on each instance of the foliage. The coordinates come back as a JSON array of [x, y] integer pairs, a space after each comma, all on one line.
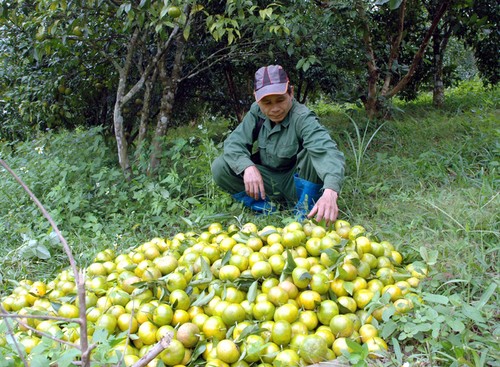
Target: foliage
[[61, 60]]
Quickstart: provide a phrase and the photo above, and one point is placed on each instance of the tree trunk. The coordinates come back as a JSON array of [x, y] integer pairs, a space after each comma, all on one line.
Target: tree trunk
[[438, 91], [122, 97], [237, 107], [121, 141], [145, 110], [167, 102], [370, 101]]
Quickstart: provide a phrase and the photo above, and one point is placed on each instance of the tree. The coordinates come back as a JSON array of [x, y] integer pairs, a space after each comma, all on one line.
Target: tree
[[380, 90], [479, 28]]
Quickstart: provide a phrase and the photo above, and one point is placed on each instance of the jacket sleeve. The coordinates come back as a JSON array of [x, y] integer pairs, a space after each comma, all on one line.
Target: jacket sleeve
[[238, 145], [327, 159]]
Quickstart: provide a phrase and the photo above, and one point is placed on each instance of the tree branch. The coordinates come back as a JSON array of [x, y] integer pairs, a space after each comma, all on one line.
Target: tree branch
[[148, 69], [11, 333], [79, 279], [153, 352], [394, 48], [373, 71], [420, 53]]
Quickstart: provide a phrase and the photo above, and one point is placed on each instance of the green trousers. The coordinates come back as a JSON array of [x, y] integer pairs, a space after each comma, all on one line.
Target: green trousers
[[279, 185]]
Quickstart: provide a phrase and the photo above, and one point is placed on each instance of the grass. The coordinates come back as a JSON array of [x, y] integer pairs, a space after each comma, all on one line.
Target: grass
[[428, 179]]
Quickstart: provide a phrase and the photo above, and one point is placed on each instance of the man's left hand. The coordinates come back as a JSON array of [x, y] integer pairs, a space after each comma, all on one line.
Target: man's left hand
[[326, 207]]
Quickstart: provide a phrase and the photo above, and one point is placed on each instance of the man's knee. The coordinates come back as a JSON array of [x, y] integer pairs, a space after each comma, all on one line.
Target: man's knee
[[220, 170]]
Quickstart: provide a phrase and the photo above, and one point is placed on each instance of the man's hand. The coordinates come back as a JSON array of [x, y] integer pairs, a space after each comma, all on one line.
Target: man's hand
[[326, 207], [254, 184]]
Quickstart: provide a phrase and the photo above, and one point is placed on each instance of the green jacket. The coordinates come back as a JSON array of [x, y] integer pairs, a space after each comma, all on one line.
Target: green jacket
[[279, 145]]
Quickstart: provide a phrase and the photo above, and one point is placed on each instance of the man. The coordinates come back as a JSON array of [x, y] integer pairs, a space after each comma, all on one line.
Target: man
[[297, 161]]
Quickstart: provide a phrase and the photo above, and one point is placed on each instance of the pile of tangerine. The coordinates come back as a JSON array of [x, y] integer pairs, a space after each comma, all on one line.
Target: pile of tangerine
[[240, 296]]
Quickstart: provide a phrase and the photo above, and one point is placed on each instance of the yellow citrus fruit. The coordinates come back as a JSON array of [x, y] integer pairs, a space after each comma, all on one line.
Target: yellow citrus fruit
[[173, 354], [309, 299], [337, 287], [227, 351], [347, 271], [107, 322], [277, 295], [180, 317], [341, 326], [281, 333], [164, 330], [179, 299], [126, 322], [261, 269], [288, 312], [347, 304], [270, 352], [229, 272], [326, 333], [301, 277], [363, 297], [162, 315], [393, 290], [403, 305], [233, 313], [327, 309], [367, 331], [309, 318], [341, 223], [188, 334], [214, 328], [287, 357], [252, 347], [320, 283], [340, 347], [147, 333], [68, 311], [263, 311], [313, 349], [376, 346], [291, 239]]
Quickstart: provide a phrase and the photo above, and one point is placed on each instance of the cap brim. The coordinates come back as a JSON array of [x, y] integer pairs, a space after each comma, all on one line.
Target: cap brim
[[271, 89]]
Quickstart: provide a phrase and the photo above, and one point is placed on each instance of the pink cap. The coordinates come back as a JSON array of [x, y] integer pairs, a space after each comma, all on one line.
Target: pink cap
[[270, 79]]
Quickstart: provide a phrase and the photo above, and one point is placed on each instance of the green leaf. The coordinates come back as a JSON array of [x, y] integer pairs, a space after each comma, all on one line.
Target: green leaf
[[349, 287], [388, 312], [435, 298], [186, 32], [395, 4], [457, 325], [486, 296], [203, 300], [42, 252], [36, 361], [249, 330], [397, 351], [472, 313], [200, 348], [225, 259], [290, 263], [388, 328], [68, 358], [100, 336], [252, 292]]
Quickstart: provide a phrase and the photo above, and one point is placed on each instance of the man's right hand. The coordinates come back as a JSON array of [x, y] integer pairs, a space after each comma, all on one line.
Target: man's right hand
[[254, 184]]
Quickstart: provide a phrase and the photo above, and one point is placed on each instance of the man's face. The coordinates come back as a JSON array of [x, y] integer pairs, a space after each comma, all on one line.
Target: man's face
[[276, 106]]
